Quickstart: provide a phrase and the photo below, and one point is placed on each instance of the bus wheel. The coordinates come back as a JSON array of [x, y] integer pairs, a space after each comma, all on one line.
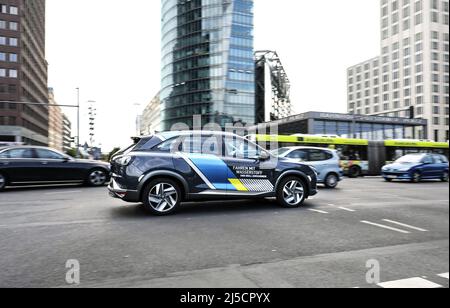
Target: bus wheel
[[354, 172]]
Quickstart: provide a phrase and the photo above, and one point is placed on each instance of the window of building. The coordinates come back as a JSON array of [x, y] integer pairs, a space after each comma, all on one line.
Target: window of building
[[13, 10], [2, 56], [13, 57], [13, 41], [13, 73], [14, 26], [2, 40], [2, 72]]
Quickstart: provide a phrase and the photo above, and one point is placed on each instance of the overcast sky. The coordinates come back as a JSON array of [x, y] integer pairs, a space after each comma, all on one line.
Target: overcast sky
[[111, 50]]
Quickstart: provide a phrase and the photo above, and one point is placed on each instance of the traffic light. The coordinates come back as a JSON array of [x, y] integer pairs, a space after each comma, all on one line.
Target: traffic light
[[412, 112]]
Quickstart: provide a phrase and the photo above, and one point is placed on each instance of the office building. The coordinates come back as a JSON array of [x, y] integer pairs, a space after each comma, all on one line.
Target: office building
[[413, 69], [150, 119], [23, 72], [67, 134], [207, 62], [55, 123]]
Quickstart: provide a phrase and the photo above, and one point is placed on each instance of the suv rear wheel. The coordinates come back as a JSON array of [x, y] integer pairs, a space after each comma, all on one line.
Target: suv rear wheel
[[162, 197], [291, 193], [331, 181]]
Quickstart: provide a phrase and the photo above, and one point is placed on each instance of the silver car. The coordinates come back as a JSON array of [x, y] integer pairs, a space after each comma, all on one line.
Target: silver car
[[325, 161]]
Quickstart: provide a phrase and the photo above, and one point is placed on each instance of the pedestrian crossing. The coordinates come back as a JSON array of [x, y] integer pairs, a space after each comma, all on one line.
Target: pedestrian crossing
[[414, 283]]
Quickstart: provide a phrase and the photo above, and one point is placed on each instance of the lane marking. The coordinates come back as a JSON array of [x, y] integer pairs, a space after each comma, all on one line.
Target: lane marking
[[405, 225], [318, 211], [385, 227], [346, 209], [444, 275], [412, 283], [63, 192], [53, 224]]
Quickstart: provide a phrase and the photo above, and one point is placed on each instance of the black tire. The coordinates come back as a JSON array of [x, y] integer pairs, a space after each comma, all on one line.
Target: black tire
[[388, 180], [416, 177], [3, 182], [282, 196], [166, 195], [97, 178], [354, 172], [444, 177], [331, 181]]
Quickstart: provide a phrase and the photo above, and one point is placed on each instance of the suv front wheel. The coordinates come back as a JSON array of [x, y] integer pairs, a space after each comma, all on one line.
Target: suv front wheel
[[291, 192], [162, 197]]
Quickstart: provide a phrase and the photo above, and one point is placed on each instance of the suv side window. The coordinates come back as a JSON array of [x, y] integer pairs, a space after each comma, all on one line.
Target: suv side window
[[444, 159], [201, 144], [319, 155], [241, 148], [299, 155], [171, 145]]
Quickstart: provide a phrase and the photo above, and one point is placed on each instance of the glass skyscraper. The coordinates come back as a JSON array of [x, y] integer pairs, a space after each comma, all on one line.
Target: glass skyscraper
[[207, 62]]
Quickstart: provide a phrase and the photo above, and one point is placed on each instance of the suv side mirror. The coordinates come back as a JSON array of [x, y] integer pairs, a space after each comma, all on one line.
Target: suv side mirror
[[264, 156]]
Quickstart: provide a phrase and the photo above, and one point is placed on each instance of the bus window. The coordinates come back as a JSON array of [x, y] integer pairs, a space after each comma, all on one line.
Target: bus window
[[349, 152]]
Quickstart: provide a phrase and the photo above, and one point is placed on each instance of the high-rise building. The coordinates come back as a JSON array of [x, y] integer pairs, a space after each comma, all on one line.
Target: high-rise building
[[55, 123], [207, 62], [413, 69], [67, 134], [23, 72], [150, 119]]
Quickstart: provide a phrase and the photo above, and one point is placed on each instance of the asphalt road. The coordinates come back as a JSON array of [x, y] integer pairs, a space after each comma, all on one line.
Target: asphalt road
[[402, 227]]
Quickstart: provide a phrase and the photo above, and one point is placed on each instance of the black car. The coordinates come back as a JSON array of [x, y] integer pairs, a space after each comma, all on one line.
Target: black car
[[168, 168], [27, 165]]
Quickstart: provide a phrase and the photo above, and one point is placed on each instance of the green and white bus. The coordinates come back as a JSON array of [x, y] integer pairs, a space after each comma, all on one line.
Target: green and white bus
[[358, 156]]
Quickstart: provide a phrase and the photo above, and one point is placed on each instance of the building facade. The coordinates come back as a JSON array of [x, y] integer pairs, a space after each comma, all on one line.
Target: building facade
[[67, 134], [413, 69], [375, 128], [55, 123], [150, 120], [23, 72], [207, 62]]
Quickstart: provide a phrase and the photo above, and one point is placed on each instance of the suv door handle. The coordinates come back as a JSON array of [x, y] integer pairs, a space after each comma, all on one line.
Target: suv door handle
[[44, 163]]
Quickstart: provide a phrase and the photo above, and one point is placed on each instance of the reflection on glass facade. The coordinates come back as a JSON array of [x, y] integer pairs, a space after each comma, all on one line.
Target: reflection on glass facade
[[207, 62], [370, 131]]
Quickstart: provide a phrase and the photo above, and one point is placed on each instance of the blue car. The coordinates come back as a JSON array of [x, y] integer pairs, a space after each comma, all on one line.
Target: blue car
[[325, 161], [417, 167]]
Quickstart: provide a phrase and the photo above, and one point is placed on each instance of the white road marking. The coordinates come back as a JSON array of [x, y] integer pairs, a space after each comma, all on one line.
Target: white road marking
[[53, 224], [385, 227], [318, 211], [444, 275], [346, 209], [63, 192], [405, 225], [412, 283]]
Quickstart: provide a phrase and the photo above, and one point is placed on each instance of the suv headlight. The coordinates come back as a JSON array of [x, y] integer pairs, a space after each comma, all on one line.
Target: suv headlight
[[123, 160]]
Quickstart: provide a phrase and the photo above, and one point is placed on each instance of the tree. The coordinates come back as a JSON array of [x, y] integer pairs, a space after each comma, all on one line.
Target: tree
[[111, 154], [72, 152]]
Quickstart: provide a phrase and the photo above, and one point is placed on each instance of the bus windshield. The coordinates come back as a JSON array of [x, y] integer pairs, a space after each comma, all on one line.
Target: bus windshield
[[410, 159]]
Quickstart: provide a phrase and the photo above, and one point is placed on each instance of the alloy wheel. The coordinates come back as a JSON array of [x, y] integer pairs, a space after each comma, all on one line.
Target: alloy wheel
[[293, 192], [97, 178], [2, 182], [163, 197], [445, 177], [331, 181]]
